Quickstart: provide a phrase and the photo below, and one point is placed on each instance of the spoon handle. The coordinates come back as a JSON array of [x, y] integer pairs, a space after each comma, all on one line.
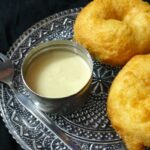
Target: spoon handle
[[27, 103]]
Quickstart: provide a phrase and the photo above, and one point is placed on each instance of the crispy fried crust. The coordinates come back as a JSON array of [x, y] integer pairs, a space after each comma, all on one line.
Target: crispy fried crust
[[128, 104], [113, 30]]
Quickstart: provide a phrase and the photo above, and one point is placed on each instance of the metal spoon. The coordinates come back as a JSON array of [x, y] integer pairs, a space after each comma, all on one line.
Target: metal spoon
[[6, 76]]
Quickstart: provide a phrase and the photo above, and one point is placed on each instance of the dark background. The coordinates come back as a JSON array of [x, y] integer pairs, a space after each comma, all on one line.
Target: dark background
[[15, 17]]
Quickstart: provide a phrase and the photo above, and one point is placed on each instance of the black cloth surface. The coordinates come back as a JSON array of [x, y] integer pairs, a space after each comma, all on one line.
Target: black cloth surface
[[15, 17]]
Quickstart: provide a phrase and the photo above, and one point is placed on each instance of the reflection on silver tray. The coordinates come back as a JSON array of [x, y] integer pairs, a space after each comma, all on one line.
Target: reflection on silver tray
[[89, 126]]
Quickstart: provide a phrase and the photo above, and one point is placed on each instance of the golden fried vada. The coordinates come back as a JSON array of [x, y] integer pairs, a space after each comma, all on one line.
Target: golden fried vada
[[128, 104], [114, 30]]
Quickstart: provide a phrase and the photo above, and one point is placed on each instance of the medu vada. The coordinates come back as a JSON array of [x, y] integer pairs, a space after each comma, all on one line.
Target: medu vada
[[128, 104], [114, 30]]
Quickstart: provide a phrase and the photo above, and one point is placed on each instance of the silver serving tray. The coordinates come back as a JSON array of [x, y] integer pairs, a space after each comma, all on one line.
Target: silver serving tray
[[88, 126]]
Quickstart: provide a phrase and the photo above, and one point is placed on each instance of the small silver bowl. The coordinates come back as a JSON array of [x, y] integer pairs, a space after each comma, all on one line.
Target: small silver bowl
[[63, 104]]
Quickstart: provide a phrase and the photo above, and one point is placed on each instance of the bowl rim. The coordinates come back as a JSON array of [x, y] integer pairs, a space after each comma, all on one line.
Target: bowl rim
[[59, 42]]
